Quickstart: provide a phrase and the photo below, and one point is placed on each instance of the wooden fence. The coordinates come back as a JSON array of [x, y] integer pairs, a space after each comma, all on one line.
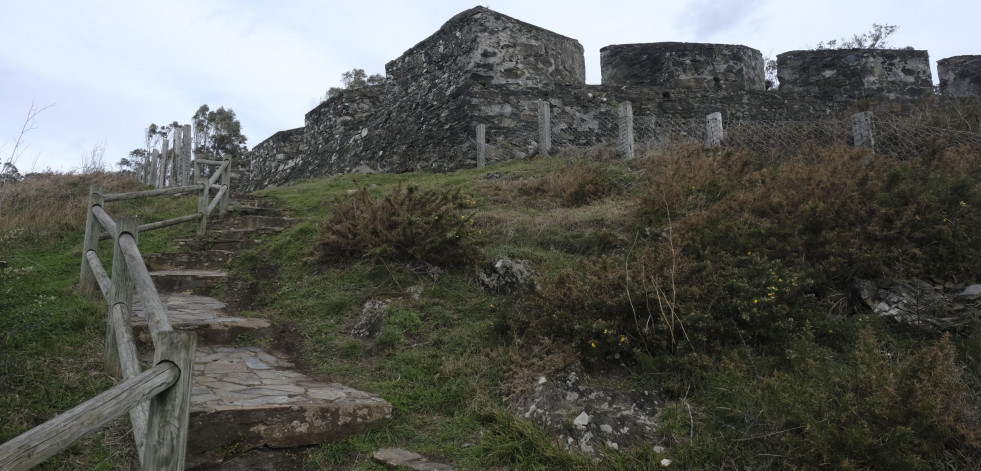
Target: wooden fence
[[158, 399]]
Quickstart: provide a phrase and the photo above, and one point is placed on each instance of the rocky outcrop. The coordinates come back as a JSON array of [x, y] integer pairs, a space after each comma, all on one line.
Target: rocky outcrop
[[583, 417]]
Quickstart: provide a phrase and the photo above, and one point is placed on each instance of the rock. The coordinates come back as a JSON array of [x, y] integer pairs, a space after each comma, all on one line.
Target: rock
[[507, 276], [369, 323], [866, 291], [583, 418], [916, 304], [971, 292], [395, 457]]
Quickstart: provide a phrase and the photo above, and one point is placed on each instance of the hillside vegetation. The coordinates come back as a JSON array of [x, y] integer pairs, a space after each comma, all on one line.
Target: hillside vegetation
[[720, 280]]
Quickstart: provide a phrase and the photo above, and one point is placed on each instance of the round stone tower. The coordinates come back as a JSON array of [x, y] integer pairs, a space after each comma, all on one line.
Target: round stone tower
[[683, 66], [960, 76]]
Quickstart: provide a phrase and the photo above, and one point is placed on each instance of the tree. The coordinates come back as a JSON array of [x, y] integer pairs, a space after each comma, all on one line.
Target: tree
[[217, 134], [354, 79], [8, 171], [877, 38]]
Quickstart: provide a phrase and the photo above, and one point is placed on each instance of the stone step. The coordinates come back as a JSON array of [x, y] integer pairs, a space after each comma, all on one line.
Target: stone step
[[201, 260], [253, 222], [207, 316], [193, 281], [245, 398], [225, 239]]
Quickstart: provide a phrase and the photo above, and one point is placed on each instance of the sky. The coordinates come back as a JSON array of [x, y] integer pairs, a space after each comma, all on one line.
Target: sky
[[103, 71]]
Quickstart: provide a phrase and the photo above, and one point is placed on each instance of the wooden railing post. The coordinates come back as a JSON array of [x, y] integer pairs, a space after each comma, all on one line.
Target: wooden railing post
[[226, 180], [86, 282], [713, 130], [203, 198], [121, 291], [166, 431]]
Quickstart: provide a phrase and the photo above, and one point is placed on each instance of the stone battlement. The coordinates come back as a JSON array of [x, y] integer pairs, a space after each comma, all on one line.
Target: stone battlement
[[483, 67]]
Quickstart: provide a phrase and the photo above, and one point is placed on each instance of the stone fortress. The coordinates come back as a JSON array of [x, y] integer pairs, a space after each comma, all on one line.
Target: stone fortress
[[483, 67]]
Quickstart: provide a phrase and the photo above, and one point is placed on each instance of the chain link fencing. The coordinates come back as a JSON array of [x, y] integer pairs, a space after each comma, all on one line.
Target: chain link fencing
[[773, 139]]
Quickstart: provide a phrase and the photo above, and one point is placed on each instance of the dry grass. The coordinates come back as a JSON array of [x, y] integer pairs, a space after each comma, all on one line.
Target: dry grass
[[44, 206]]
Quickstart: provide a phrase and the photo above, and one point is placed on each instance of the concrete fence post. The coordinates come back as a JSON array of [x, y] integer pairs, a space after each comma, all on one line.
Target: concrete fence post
[[86, 280], [862, 130], [481, 145], [713, 130], [544, 128], [625, 112]]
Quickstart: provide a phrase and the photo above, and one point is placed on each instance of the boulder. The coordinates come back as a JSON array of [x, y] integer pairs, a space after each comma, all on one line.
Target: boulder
[[369, 323], [507, 276]]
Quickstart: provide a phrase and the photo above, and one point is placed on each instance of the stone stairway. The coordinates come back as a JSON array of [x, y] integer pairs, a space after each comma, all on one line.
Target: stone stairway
[[250, 408]]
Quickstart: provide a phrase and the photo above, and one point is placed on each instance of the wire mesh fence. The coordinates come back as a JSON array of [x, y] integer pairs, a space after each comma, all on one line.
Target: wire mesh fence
[[768, 138]]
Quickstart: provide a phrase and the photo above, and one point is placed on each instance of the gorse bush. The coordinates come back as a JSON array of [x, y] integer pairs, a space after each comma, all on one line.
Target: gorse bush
[[407, 224], [574, 184]]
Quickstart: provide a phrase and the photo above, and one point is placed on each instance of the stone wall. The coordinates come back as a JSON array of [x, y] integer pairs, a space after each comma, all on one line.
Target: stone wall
[[683, 66], [960, 76], [482, 67], [854, 74]]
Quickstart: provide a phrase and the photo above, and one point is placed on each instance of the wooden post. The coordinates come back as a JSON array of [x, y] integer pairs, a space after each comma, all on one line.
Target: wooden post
[[154, 169], [167, 424], [164, 157], [481, 145], [86, 281], [187, 154], [544, 128], [203, 199], [226, 180], [121, 291], [713, 130], [179, 156], [625, 112]]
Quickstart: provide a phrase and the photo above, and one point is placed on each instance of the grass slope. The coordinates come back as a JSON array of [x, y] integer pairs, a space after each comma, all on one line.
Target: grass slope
[[719, 280]]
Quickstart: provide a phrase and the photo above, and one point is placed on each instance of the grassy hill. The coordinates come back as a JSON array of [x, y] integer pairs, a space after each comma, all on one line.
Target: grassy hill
[[722, 281]]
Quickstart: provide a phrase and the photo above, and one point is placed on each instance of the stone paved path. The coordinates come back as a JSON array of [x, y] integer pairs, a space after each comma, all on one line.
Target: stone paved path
[[247, 402]]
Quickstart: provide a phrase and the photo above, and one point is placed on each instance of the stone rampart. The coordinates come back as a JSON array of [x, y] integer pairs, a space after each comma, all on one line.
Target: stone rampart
[[485, 68], [712, 67], [855, 74], [960, 76]]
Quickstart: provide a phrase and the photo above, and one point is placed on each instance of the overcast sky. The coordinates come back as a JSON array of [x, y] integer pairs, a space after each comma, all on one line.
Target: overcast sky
[[110, 68]]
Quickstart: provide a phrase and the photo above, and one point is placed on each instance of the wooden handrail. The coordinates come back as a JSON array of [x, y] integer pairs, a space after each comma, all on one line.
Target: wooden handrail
[[177, 190], [130, 365], [209, 162], [160, 224], [217, 174], [156, 313], [105, 220], [44, 441], [218, 197], [101, 277]]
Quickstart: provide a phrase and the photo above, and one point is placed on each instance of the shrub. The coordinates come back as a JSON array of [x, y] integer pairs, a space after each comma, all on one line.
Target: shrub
[[407, 224], [576, 183]]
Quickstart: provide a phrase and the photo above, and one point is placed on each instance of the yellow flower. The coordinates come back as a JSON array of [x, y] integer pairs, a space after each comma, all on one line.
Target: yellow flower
[[756, 301], [593, 344]]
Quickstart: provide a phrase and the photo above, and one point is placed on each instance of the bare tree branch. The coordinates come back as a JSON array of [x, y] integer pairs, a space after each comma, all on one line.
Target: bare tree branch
[[30, 123]]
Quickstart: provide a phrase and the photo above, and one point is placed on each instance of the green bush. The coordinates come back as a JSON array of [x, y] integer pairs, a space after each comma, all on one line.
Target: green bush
[[407, 224]]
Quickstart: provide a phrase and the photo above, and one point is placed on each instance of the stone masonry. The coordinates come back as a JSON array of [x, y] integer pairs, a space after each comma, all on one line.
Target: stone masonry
[[483, 67]]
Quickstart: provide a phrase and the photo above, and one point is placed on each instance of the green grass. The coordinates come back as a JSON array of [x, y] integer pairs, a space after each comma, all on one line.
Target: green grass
[[776, 367]]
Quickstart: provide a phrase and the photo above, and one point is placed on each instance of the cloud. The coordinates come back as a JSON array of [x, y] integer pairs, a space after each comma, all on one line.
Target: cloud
[[708, 19]]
